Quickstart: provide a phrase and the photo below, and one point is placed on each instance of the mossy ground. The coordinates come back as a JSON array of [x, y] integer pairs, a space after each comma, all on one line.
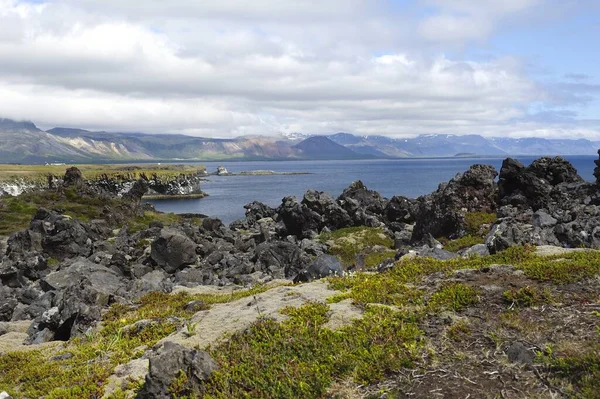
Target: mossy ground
[[16, 212], [348, 243], [80, 368]]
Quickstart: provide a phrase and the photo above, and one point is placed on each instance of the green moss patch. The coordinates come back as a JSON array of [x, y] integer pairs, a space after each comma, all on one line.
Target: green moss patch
[[527, 296], [347, 243], [87, 362], [299, 358], [16, 212]]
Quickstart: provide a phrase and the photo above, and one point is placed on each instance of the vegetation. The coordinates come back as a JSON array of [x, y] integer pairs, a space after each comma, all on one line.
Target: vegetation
[[527, 296], [348, 242], [39, 173], [299, 358], [581, 369], [391, 287], [476, 223], [16, 212], [80, 367]]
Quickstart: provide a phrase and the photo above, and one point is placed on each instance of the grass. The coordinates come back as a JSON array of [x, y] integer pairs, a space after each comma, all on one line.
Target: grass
[[348, 242], [582, 370]]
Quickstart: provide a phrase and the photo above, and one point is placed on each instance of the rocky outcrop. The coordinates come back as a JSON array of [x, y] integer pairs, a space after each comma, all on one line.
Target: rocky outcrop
[[442, 213], [545, 203], [166, 367], [61, 272], [116, 184], [172, 250]]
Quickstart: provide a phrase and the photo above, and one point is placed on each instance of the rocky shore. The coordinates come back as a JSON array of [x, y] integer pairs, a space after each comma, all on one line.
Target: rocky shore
[[61, 275], [162, 181]]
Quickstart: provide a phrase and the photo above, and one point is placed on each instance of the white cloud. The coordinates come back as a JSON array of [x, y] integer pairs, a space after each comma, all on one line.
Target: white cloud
[[230, 67]]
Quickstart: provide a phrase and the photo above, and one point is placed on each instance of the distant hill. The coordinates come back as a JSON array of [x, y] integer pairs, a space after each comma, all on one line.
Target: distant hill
[[321, 147], [23, 141]]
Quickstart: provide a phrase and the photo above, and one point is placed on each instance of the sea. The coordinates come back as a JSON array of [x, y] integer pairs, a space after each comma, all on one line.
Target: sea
[[412, 178]]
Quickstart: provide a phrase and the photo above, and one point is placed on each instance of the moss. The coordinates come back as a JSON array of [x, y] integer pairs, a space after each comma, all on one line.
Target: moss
[[142, 222], [374, 259], [299, 358], [527, 296], [462, 243], [393, 287], [581, 370], [475, 220], [453, 296], [93, 357], [459, 331], [16, 212], [347, 243]]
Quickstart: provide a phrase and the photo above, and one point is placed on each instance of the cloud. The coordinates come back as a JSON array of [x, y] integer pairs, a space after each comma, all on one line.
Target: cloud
[[229, 68], [464, 20]]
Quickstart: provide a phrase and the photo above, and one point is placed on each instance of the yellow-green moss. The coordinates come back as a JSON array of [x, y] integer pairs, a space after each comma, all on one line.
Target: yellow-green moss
[[461, 243], [34, 374], [474, 221], [390, 287], [527, 296], [347, 243], [453, 296], [299, 358]]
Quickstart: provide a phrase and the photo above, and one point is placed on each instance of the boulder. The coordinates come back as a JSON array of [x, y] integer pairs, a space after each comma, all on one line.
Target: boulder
[[367, 199], [279, 258], [333, 215], [137, 191], [399, 211], [172, 250], [255, 211], [168, 364], [73, 177], [298, 219], [531, 187], [442, 213], [321, 266]]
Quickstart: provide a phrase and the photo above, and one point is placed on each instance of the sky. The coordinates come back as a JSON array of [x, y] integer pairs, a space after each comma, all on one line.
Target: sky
[[226, 68]]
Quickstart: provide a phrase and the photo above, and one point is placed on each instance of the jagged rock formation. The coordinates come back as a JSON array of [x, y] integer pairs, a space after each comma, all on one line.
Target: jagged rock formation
[[60, 272], [545, 203], [442, 212]]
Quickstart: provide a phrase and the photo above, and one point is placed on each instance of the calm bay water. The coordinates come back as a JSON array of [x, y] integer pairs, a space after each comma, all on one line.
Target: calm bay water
[[408, 177]]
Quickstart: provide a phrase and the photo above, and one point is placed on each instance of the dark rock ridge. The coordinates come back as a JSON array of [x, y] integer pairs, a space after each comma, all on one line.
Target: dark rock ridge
[[61, 272], [115, 184]]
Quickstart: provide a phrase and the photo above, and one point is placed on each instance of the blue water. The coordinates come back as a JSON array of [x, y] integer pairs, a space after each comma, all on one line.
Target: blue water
[[408, 177]]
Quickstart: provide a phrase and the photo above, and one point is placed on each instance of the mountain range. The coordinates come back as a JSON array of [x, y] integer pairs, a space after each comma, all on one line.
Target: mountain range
[[24, 142]]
